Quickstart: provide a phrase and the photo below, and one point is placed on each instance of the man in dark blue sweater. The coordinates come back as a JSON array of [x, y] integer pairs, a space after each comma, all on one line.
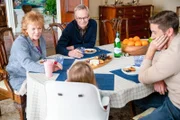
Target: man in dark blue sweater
[[81, 32]]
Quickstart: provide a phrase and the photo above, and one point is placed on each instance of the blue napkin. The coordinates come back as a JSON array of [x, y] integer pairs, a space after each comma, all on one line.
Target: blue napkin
[[99, 51], [63, 73], [133, 78], [105, 81]]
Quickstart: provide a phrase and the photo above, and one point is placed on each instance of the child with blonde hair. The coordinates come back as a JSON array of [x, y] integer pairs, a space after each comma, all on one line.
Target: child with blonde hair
[[81, 72]]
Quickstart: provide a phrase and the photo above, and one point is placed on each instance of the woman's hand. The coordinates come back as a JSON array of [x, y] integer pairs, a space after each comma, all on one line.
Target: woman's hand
[[57, 66]]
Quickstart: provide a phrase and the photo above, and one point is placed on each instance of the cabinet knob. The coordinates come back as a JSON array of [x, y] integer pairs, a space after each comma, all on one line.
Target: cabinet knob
[[145, 37], [134, 10], [134, 16], [100, 15], [146, 15], [120, 11], [145, 28], [147, 9], [146, 21]]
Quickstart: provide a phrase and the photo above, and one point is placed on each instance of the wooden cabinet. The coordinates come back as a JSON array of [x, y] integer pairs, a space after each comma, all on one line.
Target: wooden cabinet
[[3, 18], [137, 21]]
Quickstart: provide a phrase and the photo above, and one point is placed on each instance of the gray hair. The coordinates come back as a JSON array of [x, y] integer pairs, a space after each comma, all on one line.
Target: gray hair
[[81, 7]]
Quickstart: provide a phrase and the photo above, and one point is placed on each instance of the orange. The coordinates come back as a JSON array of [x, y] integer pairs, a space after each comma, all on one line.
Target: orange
[[125, 41], [138, 43], [131, 39], [130, 43], [136, 38], [144, 42]]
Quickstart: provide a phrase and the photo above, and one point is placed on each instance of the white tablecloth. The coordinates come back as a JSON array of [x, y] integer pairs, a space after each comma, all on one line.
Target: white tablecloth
[[124, 90]]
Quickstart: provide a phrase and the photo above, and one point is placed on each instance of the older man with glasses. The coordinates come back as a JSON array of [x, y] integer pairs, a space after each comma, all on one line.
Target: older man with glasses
[[81, 32]]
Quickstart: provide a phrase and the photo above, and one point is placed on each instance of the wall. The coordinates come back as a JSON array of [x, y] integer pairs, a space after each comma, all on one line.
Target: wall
[[166, 5]]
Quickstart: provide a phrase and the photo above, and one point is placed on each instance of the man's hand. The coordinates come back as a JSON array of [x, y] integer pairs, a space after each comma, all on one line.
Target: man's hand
[[75, 53], [160, 87], [159, 43], [70, 48]]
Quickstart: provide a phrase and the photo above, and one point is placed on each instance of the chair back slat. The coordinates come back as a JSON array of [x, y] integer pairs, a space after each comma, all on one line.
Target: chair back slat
[[114, 25], [61, 26], [4, 34]]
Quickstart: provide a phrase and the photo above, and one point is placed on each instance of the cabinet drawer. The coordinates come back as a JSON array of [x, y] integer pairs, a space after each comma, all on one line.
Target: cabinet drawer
[[146, 9], [120, 11], [133, 16], [133, 11]]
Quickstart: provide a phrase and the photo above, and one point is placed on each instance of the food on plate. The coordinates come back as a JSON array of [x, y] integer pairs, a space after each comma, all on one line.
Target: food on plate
[[89, 50], [41, 61], [101, 59], [94, 62], [129, 69]]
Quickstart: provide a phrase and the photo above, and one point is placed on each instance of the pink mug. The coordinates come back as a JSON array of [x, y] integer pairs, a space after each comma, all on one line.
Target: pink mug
[[49, 67]]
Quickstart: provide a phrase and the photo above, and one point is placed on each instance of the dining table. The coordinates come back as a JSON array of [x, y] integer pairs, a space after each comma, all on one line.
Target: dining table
[[111, 81]]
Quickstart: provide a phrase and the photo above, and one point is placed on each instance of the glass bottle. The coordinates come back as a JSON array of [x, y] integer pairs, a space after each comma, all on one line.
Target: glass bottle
[[117, 46]]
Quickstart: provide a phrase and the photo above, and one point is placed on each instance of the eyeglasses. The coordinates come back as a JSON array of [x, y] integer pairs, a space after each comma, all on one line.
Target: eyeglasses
[[82, 18]]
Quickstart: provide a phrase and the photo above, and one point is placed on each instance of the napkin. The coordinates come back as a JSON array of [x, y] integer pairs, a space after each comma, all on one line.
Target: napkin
[[63, 73], [119, 72], [98, 52], [105, 81]]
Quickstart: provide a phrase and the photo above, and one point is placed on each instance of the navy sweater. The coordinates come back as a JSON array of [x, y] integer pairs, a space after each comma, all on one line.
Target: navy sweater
[[71, 36]]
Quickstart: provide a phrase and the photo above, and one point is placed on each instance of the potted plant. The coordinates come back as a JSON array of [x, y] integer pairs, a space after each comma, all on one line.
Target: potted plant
[[50, 8]]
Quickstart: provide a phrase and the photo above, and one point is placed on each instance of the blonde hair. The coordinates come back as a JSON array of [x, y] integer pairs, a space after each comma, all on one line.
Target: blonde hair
[[81, 72], [29, 18]]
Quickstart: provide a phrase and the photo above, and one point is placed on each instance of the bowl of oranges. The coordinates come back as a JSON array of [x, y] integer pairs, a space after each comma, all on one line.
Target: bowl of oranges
[[135, 46]]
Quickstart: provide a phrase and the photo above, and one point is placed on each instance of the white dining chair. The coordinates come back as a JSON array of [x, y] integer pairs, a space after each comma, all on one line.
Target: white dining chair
[[75, 101]]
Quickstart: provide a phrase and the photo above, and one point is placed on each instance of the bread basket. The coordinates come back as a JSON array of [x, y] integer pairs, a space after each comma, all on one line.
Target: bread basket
[[135, 50]]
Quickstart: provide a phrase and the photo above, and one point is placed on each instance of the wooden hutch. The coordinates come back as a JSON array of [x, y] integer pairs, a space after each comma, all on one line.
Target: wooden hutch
[[137, 20]]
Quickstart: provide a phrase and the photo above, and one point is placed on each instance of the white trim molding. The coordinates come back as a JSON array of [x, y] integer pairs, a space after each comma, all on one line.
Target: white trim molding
[[10, 14]]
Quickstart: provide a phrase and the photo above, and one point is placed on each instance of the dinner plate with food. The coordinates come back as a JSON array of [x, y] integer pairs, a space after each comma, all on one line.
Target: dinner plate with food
[[130, 70], [90, 51]]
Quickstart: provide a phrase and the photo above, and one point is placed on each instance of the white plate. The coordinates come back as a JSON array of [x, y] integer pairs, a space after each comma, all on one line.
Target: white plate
[[90, 51], [131, 73], [42, 61]]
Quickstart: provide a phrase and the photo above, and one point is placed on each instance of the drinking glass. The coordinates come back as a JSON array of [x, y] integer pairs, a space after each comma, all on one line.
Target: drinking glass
[[138, 60], [82, 49], [59, 59]]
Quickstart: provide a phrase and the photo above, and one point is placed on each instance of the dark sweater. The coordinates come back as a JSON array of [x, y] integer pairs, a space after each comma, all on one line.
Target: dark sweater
[[71, 36]]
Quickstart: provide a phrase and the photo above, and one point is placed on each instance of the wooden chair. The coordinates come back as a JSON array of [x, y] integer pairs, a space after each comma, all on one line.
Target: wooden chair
[[6, 91], [112, 26], [3, 18], [53, 27]]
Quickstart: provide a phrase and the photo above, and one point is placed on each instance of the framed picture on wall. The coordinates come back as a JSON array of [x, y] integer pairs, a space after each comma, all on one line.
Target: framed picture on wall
[[34, 3]]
